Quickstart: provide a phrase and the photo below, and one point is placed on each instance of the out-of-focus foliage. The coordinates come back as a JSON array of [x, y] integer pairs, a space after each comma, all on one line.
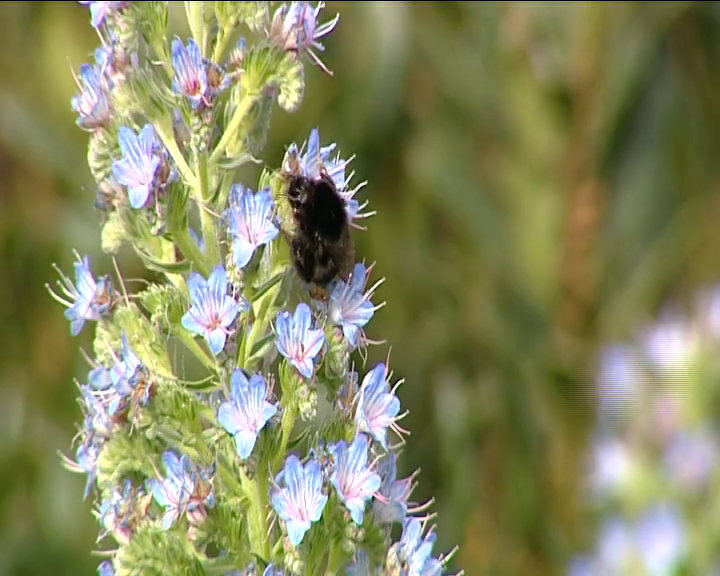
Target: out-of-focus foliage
[[545, 176]]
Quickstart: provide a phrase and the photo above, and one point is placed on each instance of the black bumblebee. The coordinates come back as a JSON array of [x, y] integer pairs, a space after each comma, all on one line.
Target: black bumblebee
[[321, 245]]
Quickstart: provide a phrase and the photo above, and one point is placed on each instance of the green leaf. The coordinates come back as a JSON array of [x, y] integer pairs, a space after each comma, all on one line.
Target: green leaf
[[239, 160], [152, 263]]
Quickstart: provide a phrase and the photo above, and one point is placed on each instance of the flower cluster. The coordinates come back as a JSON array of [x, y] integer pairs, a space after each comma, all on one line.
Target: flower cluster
[[200, 441], [654, 455]]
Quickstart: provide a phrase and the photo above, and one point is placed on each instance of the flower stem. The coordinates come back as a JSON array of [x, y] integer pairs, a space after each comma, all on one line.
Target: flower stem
[[172, 148], [287, 424], [256, 490], [190, 343], [207, 222], [224, 39], [191, 250], [335, 558], [241, 111]]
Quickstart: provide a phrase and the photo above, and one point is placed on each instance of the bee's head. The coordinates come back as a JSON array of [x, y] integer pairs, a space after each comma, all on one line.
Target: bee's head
[[298, 191]]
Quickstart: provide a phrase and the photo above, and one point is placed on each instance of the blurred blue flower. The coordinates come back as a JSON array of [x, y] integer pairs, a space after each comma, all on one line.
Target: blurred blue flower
[[360, 565], [247, 412], [86, 456], [212, 310], [353, 479], [616, 546], [106, 568], [618, 383], [190, 74], [611, 465], [296, 340], [350, 306], [98, 417], [92, 103], [690, 457], [139, 163], [297, 29], [671, 343], [175, 491], [250, 222], [86, 298], [128, 376], [301, 501], [378, 407], [661, 539], [99, 10]]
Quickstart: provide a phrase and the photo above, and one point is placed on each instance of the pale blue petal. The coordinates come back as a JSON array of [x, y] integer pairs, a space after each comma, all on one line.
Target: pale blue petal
[[242, 251], [305, 367], [317, 511], [217, 282], [216, 340], [296, 530], [169, 518], [196, 284], [245, 442], [190, 324], [314, 342], [138, 195], [229, 417], [356, 507], [239, 385]]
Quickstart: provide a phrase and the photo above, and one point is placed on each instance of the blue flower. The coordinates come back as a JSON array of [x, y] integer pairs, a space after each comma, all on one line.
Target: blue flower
[[247, 412], [354, 481], [350, 306], [87, 299], [175, 492], [317, 159], [106, 568], [415, 551], [98, 417], [250, 222], [378, 407], [297, 29], [100, 9], [117, 513], [661, 539], [297, 341], [128, 376], [190, 74], [691, 457], [138, 165], [212, 311], [92, 103], [360, 565], [87, 455], [391, 505], [301, 501]]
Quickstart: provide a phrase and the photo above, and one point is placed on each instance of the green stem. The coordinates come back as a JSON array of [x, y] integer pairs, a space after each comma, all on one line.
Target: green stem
[[172, 147], [257, 493], [246, 103], [287, 423], [207, 221], [221, 46], [190, 343], [335, 558], [191, 250]]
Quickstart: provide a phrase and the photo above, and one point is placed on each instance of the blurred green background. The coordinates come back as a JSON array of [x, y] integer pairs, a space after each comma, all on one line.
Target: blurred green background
[[546, 175]]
